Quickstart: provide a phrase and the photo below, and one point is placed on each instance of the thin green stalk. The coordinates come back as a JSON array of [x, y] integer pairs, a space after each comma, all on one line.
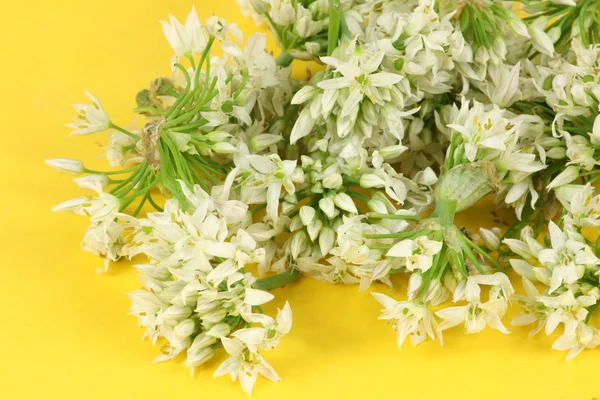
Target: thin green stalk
[[184, 93], [277, 281], [121, 171], [125, 131], [467, 250], [334, 26], [393, 216], [399, 235], [139, 169]]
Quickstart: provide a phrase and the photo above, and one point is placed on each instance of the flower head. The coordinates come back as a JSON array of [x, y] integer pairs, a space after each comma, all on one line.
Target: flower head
[[89, 118]]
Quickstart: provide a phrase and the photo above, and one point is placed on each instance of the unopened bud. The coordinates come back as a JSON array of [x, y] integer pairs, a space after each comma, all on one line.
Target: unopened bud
[[333, 181], [326, 240], [176, 313], [490, 239], [184, 329], [345, 202], [68, 165], [327, 206], [307, 214]]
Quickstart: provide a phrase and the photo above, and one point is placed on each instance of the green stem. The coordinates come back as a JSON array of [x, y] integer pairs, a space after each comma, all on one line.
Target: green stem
[[399, 235], [445, 210], [335, 18], [277, 281], [393, 216], [125, 131], [121, 171]]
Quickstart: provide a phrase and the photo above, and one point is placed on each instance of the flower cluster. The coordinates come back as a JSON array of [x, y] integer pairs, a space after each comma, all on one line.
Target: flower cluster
[[197, 294], [417, 110]]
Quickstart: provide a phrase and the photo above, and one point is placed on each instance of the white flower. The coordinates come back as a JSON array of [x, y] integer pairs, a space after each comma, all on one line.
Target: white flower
[[185, 39], [417, 254], [565, 308], [268, 336], [481, 129], [102, 208], [577, 336], [475, 316], [408, 318], [68, 165], [244, 364], [584, 208], [503, 88], [361, 79], [566, 258], [89, 118], [533, 309]]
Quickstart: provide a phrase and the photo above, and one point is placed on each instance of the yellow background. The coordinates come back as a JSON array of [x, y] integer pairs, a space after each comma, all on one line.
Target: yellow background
[[64, 329]]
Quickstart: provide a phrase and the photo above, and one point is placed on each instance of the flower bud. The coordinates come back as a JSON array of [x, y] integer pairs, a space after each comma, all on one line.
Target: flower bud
[[426, 177], [312, 48], [174, 314], [326, 240], [540, 40], [219, 330], [345, 202], [333, 181], [303, 26], [414, 284], [299, 243], [567, 176], [297, 176], [287, 207], [263, 141], [449, 281], [327, 205], [68, 165], [390, 152], [200, 342], [205, 306], [554, 34], [260, 6], [296, 224], [490, 239], [371, 180], [142, 98], [518, 27], [519, 247], [556, 153], [154, 271], [307, 214], [596, 129], [215, 316], [224, 148], [91, 181], [217, 136], [303, 95], [459, 291], [195, 359], [314, 228], [184, 329], [377, 205], [433, 290], [162, 86]]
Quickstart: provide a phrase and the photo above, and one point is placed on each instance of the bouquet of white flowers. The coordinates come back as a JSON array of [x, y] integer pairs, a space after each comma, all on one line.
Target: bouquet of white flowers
[[419, 109]]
